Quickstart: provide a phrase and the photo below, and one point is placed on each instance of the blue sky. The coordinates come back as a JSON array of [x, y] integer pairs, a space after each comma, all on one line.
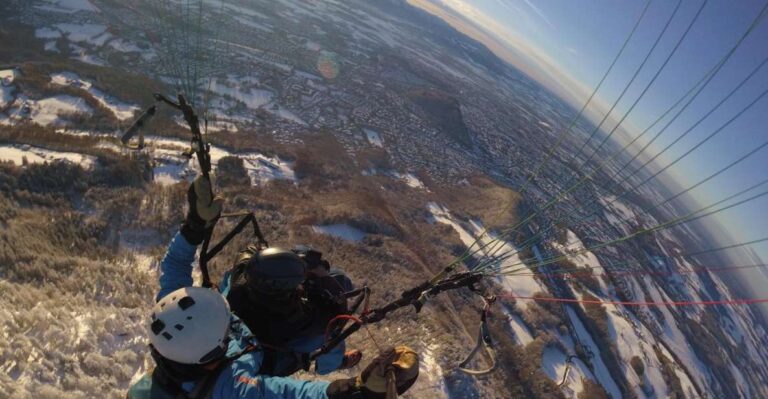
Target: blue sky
[[568, 45]]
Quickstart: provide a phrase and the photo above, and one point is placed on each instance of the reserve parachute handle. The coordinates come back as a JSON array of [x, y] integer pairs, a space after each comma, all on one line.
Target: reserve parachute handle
[[200, 149]]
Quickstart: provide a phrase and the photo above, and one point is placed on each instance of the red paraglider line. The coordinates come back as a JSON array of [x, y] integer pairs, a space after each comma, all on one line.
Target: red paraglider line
[[625, 272], [640, 303]]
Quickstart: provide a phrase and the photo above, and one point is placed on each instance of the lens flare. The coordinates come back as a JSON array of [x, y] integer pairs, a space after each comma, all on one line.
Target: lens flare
[[327, 65]]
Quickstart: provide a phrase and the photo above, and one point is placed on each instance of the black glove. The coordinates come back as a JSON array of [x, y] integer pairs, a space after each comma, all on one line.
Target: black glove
[[372, 382], [204, 210]]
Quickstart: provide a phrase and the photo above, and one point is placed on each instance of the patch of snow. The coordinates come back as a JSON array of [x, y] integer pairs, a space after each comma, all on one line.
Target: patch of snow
[[522, 335], [555, 364], [633, 339], [602, 374], [284, 113], [47, 33], [7, 76], [431, 372], [122, 111], [576, 251], [618, 213], [685, 380], [95, 34], [408, 178], [125, 46], [172, 167], [312, 46], [169, 172], [343, 231], [242, 89], [51, 46], [522, 285], [82, 55], [675, 339], [18, 153], [67, 6], [411, 180], [374, 138], [47, 111]]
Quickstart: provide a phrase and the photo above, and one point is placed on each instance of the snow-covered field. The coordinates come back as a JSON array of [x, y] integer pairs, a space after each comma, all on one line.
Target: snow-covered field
[[18, 154], [49, 111], [576, 251], [619, 214], [66, 6], [374, 138], [522, 334], [122, 111], [578, 254], [7, 87], [556, 365], [408, 178], [600, 369], [523, 284], [430, 369], [173, 168], [243, 89]]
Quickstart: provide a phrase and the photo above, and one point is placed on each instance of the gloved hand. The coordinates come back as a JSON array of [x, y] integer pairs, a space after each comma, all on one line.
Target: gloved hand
[[372, 382], [203, 211]]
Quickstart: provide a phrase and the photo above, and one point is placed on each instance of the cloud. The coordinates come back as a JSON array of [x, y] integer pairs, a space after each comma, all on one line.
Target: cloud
[[539, 13]]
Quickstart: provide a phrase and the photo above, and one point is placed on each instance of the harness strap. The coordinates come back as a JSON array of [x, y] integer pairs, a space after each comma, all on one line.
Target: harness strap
[[484, 341]]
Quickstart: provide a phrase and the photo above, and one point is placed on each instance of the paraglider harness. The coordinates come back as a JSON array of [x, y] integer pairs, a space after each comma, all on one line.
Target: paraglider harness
[[337, 333]]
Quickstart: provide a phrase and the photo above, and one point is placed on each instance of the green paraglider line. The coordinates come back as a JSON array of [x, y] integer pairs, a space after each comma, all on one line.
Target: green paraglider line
[[572, 123], [587, 271], [508, 232], [685, 219]]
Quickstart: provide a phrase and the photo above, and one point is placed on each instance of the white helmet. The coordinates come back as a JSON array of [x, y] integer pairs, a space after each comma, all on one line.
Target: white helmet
[[190, 325]]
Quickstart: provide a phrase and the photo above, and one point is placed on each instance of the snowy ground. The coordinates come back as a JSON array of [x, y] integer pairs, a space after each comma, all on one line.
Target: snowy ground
[[343, 231], [51, 111], [7, 87], [374, 138], [243, 89], [618, 213], [522, 285], [522, 334], [431, 371], [556, 365], [675, 339], [19, 153], [600, 369], [67, 6], [122, 111], [408, 178], [172, 168], [577, 253]]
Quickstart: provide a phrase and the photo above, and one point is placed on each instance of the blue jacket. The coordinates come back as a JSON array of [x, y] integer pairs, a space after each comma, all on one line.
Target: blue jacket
[[240, 379]]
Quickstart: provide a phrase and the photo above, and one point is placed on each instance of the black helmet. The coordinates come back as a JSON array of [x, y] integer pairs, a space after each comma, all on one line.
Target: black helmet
[[272, 270]]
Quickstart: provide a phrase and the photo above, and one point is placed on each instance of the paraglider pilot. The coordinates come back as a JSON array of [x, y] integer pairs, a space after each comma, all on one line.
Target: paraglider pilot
[[204, 350]]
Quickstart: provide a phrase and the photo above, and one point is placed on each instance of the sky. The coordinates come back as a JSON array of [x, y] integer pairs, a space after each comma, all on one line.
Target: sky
[[567, 46]]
